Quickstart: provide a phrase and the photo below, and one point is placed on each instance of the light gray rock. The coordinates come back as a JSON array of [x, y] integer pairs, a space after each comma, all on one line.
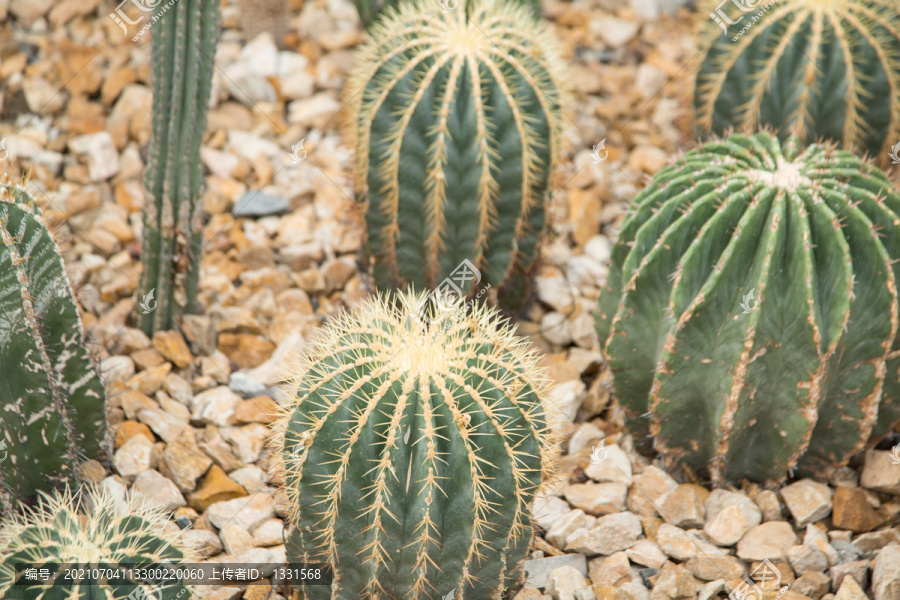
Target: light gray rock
[[646, 553], [729, 515], [567, 583], [548, 509], [808, 501], [597, 498], [269, 533], [236, 539], [886, 576], [537, 570], [205, 542], [611, 465], [214, 406], [246, 512], [254, 203], [770, 540], [133, 457], [805, 558], [612, 533], [152, 489]]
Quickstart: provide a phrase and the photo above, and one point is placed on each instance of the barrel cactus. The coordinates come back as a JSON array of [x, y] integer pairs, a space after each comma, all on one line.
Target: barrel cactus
[[370, 10], [184, 46], [750, 312], [456, 124], [52, 402], [818, 70], [92, 528], [413, 450]]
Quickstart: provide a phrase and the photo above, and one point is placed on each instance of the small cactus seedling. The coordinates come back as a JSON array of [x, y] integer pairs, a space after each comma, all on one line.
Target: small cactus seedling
[[411, 454], [750, 315], [184, 46], [52, 402], [818, 69], [457, 130], [92, 528]]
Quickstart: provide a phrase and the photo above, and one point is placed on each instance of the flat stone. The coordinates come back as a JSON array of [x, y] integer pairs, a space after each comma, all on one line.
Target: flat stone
[[806, 558], [886, 575], [171, 345], [609, 464], [567, 583], [858, 570], [257, 204], [684, 545], [184, 464], [870, 542], [236, 539], [271, 533], [565, 525], [216, 487], [881, 473], [152, 489], [214, 406], [548, 509], [243, 512], [646, 553], [205, 542], [247, 440], [729, 516], [251, 478], [852, 511], [674, 581], [133, 402], [102, 156], [812, 584], [684, 506], [770, 540], [260, 409], [710, 568], [711, 590], [850, 590], [768, 504], [614, 32], [129, 429], [133, 457], [808, 501], [647, 489], [612, 533], [597, 498], [164, 424], [610, 570], [245, 386], [538, 570]]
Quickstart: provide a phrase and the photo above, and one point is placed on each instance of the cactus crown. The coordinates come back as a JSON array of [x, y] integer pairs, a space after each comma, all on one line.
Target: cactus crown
[[750, 315], [815, 69], [52, 402], [457, 130], [93, 527], [413, 452]]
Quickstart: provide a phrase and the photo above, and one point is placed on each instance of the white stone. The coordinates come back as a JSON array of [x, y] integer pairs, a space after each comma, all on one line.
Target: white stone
[[133, 457], [214, 406], [102, 156], [609, 463], [152, 489], [567, 583]]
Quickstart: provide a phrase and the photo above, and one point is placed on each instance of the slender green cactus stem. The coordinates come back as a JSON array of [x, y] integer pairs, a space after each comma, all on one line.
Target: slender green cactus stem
[[184, 47], [52, 402]]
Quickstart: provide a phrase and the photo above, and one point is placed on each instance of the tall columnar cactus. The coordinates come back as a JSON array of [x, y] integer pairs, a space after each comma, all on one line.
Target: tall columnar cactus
[[815, 69], [93, 528], [411, 454], [750, 314], [52, 402], [456, 123], [184, 46]]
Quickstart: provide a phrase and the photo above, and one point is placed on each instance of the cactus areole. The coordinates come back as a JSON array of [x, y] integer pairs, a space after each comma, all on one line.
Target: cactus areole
[[750, 313], [457, 131], [411, 454]]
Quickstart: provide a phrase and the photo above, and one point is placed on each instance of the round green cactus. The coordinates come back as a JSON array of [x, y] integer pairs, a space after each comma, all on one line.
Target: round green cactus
[[90, 528], [413, 450], [52, 402], [812, 68], [750, 314], [456, 121]]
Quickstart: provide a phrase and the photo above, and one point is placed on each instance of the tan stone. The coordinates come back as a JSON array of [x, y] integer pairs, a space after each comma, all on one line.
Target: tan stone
[[260, 409], [684, 506], [171, 344], [245, 350], [852, 511], [129, 429], [215, 487]]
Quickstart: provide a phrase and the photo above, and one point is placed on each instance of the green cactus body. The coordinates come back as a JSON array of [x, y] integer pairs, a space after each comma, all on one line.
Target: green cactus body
[[456, 131], [52, 402], [370, 10], [750, 312], [93, 529], [411, 455], [812, 68], [184, 46]]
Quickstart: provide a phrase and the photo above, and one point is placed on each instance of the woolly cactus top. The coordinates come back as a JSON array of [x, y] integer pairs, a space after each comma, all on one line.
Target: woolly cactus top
[[91, 526], [751, 310]]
